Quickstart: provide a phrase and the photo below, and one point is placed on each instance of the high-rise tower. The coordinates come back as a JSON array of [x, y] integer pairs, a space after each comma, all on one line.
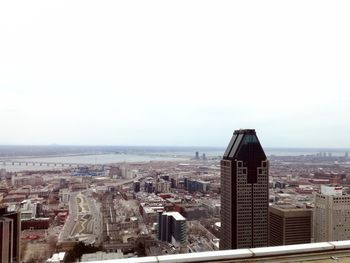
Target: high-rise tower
[[244, 193], [10, 234], [331, 214], [172, 228]]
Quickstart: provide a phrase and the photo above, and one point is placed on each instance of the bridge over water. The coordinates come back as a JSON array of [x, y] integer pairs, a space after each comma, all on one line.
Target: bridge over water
[[48, 164]]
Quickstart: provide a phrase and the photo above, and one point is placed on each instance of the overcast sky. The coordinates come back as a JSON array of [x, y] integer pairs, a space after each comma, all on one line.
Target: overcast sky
[[175, 72]]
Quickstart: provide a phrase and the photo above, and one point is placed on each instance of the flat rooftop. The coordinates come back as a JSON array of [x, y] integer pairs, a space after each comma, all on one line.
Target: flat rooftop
[[290, 208], [176, 215]]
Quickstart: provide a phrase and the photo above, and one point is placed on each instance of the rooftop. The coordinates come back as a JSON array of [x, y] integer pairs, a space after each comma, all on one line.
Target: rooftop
[[176, 215], [244, 142], [245, 131], [289, 207]]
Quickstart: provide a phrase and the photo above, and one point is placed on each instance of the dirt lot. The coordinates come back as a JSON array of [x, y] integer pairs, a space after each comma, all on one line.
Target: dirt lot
[[37, 252]]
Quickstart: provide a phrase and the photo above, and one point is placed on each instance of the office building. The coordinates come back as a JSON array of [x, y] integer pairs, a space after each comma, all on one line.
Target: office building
[[331, 214], [149, 187], [192, 185], [136, 186], [289, 225], [162, 186], [10, 233], [3, 174], [165, 177], [64, 196], [172, 228], [244, 193], [197, 156]]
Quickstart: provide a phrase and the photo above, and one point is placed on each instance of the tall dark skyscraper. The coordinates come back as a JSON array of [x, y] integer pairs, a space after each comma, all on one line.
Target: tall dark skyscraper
[[244, 193], [10, 234]]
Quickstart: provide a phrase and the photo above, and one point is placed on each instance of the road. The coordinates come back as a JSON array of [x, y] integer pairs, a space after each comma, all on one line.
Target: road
[[84, 220]]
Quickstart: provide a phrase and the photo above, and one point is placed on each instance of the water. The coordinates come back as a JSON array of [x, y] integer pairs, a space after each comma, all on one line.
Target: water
[[271, 151], [120, 154], [88, 159]]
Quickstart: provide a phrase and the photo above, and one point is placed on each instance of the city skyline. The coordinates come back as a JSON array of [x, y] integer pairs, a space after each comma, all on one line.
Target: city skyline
[[173, 148], [174, 131], [165, 74]]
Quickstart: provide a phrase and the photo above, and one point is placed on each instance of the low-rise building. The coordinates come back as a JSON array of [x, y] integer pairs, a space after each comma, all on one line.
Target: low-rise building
[[289, 225]]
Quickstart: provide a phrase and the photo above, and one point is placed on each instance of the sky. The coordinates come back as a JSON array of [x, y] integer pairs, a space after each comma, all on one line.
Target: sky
[[176, 73]]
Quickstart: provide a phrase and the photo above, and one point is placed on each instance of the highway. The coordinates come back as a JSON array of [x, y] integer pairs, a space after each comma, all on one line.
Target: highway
[[84, 220]]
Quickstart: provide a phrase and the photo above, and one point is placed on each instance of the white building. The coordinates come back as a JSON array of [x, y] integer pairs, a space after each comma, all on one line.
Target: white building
[[64, 196], [331, 215], [3, 173], [28, 209], [57, 258], [163, 186]]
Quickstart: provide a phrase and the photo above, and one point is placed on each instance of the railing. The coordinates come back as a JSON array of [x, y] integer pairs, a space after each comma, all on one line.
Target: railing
[[243, 254]]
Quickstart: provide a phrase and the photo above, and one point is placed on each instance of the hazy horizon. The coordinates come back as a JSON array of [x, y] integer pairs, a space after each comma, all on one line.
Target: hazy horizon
[[168, 146], [174, 73]]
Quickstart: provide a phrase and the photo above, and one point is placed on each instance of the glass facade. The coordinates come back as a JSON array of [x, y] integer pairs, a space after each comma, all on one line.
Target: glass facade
[[244, 193]]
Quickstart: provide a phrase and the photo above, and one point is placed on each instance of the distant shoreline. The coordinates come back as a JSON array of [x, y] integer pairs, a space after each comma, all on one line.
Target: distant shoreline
[[29, 152]]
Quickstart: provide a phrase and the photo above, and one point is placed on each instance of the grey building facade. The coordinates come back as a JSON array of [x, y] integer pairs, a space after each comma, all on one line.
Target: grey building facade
[[172, 228]]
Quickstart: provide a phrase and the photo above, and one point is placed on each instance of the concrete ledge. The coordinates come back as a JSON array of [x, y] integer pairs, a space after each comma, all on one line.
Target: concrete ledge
[[243, 254]]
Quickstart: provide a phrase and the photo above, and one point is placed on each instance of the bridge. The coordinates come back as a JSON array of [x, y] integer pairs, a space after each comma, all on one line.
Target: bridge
[[47, 164]]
